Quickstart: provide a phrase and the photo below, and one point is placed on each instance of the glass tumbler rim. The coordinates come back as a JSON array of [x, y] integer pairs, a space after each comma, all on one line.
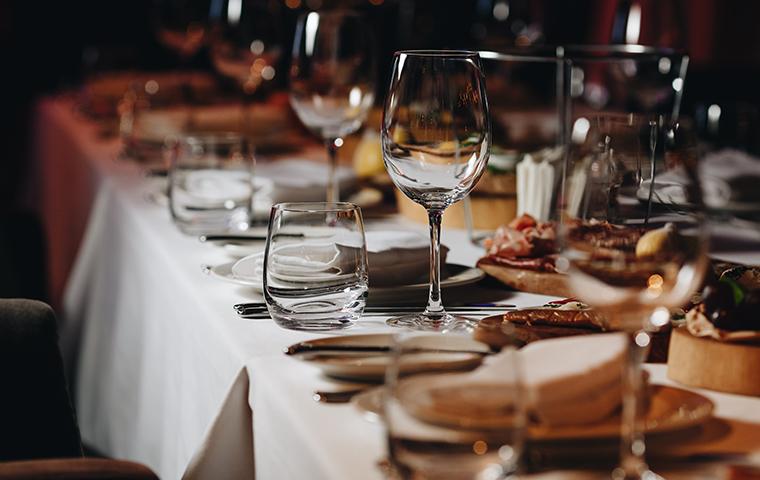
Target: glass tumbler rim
[[315, 207]]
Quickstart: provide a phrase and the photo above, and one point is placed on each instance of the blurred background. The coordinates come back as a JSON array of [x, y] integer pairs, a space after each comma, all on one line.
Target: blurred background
[[52, 47]]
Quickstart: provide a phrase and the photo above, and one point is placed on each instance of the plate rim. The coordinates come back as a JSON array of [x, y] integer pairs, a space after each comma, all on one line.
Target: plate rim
[[575, 432], [367, 372]]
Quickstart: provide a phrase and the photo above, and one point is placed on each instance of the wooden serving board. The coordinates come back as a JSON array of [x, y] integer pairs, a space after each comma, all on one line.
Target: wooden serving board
[[708, 363], [527, 280], [491, 331]]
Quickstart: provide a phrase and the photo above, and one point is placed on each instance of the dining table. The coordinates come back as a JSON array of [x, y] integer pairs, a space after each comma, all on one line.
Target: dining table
[[164, 371]]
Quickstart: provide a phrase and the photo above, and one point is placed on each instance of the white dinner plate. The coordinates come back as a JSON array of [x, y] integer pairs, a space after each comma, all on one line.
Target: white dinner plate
[[453, 275], [365, 366]]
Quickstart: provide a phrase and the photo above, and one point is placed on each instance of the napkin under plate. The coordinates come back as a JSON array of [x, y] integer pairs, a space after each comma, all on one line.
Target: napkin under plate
[[394, 258]]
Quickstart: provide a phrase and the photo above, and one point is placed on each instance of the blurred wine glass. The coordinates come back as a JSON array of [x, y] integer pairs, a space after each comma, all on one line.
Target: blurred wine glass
[[436, 139], [181, 26], [245, 44], [332, 79], [640, 22], [524, 97], [633, 244], [449, 416]]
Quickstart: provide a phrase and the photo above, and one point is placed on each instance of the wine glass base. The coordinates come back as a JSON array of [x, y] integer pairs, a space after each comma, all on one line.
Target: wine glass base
[[440, 322]]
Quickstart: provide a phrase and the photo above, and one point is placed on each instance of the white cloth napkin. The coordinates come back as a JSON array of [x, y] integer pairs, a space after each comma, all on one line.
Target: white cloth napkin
[[569, 381], [297, 180], [727, 176], [395, 258], [314, 263]]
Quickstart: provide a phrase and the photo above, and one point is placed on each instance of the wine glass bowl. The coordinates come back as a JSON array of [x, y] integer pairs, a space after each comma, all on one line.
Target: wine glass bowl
[[245, 43], [436, 138], [633, 244], [181, 25], [441, 420], [332, 78]]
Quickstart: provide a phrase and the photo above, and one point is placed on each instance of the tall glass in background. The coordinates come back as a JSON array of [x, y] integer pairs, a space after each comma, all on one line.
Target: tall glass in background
[[525, 97], [245, 46], [211, 183], [315, 265], [447, 417], [181, 26], [619, 79], [634, 245], [332, 79], [436, 138]]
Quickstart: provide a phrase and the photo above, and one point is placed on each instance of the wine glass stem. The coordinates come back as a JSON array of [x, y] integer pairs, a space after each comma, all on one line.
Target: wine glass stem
[[333, 192], [435, 305], [632, 462]]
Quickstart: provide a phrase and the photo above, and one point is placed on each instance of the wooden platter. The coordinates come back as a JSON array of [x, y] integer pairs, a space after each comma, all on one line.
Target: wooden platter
[[526, 280], [494, 332], [712, 364]]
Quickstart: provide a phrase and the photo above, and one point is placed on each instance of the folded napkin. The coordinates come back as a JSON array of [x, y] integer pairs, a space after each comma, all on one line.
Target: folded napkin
[[574, 380], [727, 176], [569, 381], [314, 263], [297, 180], [324, 257], [399, 257], [394, 258]]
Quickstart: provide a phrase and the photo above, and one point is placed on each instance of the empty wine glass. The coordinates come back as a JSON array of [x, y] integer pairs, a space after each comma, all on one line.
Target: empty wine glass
[[332, 79], [181, 25], [632, 249], [245, 43], [436, 138], [448, 415]]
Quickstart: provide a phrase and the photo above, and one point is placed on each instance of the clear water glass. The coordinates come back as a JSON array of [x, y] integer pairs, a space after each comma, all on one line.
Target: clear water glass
[[211, 183], [448, 416], [315, 265]]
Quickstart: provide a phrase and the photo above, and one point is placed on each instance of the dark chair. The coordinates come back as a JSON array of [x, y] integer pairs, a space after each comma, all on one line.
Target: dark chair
[[36, 416], [22, 257]]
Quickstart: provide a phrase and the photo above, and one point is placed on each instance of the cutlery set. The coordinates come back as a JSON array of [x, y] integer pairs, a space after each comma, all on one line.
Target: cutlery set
[[242, 238], [259, 310]]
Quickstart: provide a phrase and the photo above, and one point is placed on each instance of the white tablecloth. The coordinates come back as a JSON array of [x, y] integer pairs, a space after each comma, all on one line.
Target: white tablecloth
[[167, 374]]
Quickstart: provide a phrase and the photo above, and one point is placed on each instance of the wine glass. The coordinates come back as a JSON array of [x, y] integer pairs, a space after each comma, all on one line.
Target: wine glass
[[245, 45], [524, 96], [332, 79], [447, 414], [632, 248], [436, 139], [181, 25]]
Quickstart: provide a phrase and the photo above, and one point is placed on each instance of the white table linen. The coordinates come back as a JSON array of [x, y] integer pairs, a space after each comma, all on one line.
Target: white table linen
[[167, 374]]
